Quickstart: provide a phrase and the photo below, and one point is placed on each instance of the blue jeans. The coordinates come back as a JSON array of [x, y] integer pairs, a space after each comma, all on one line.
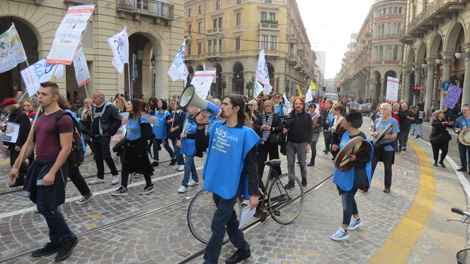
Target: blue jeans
[[464, 153], [189, 168], [179, 156], [59, 231], [349, 206], [224, 216], [156, 147], [415, 128]]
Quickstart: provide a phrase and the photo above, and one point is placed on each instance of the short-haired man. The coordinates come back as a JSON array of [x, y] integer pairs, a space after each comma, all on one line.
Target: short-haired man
[[385, 152], [106, 122], [406, 116], [299, 129], [462, 123], [46, 179]]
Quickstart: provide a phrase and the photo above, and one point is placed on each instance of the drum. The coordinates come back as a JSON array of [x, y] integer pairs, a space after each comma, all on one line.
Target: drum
[[464, 137], [339, 128], [381, 138], [355, 146], [317, 121]]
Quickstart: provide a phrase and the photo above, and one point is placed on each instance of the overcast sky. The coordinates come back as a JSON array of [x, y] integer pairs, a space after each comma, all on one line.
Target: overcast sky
[[329, 25]]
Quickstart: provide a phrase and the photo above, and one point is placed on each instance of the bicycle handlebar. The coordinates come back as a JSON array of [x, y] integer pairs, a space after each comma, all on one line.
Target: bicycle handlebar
[[458, 211]]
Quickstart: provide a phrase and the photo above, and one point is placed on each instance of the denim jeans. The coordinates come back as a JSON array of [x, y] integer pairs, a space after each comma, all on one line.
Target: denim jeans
[[189, 168], [464, 153], [156, 146], [224, 216], [415, 128], [179, 156], [59, 231], [349, 206], [313, 149], [101, 152], [299, 149]]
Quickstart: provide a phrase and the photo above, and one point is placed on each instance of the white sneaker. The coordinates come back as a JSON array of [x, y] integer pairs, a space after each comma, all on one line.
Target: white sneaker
[[180, 168], [115, 179], [96, 181], [175, 167], [183, 189], [192, 183]]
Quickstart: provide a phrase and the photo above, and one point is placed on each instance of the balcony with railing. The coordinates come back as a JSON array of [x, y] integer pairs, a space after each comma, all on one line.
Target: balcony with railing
[[77, 2], [432, 15], [214, 56], [268, 26], [157, 10], [214, 31]]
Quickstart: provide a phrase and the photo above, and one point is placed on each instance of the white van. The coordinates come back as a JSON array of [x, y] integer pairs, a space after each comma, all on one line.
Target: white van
[[332, 96]]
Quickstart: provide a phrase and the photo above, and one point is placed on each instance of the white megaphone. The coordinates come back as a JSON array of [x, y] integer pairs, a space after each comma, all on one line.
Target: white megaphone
[[189, 97]]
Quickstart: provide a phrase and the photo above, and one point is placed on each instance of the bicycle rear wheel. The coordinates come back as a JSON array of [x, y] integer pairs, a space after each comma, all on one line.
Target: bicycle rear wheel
[[285, 205], [200, 213]]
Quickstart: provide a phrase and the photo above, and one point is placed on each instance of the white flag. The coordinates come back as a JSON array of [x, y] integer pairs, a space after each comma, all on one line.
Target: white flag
[[11, 50], [309, 96], [288, 103], [267, 89], [39, 72], [120, 46], [178, 70], [262, 74], [258, 88], [81, 67]]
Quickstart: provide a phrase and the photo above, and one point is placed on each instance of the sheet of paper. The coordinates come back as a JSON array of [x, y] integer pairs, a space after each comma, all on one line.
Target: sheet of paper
[[246, 215]]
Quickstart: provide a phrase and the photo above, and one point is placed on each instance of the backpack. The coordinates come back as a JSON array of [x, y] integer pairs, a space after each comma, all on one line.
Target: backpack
[[77, 154]]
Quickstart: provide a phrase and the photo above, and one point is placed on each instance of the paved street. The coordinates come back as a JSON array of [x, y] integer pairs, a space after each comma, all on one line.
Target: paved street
[[407, 225]]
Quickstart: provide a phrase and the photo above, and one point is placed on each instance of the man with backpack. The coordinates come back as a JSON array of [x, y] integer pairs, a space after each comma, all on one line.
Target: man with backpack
[[47, 177], [105, 124]]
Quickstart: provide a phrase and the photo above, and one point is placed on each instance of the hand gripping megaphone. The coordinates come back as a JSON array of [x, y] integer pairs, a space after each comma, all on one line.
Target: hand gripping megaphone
[[189, 97]]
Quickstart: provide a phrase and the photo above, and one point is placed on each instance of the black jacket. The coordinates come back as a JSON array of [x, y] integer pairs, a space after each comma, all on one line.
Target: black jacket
[[300, 127], [179, 121], [21, 118], [405, 123], [276, 126], [325, 113], [110, 120]]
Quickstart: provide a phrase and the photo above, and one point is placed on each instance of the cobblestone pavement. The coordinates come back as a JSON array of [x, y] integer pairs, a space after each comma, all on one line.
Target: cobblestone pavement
[[109, 234]]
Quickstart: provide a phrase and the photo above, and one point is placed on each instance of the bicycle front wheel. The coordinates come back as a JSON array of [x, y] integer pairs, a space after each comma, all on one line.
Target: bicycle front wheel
[[284, 204], [200, 213]]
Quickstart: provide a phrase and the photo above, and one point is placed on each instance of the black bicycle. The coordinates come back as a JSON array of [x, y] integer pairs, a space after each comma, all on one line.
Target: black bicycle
[[463, 256]]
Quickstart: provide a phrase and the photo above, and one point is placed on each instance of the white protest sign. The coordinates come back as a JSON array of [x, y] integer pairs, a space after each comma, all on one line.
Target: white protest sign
[[202, 81], [392, 89], [11, 49], [11, 133], [81, 68], [119, 44], [262, 74], [267, 89], [39, 72], [69, 34]]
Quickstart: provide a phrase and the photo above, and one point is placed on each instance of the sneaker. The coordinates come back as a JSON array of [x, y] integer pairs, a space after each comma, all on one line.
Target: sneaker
[[387, 190], [183, 189], [180, 168], [341, 234], [36, 210], [96, 181], [85, 199], [192, 183], [137, 175], [147, 189], [173, 161], [239, 256], [66, 249], [155, 164], [47, 250], [121, 191], [175, 167], [355, 224], [115, 179]]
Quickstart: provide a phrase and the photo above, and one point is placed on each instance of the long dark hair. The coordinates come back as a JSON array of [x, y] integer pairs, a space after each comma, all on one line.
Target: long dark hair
[[242, 117], [164, 104], [137, 109]]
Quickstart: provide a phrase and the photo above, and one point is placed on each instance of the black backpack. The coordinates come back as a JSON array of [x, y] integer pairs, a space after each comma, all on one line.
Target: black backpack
[[77, 154]]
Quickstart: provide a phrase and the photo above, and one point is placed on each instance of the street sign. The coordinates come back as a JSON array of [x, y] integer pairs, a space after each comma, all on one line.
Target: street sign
[[445, 85]]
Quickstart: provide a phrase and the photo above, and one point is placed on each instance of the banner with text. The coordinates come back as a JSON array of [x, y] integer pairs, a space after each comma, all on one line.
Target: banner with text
[[81, 67], [452, 96], [119, 44], [40, 72], [392, 89], [202, 81], [11, 49]]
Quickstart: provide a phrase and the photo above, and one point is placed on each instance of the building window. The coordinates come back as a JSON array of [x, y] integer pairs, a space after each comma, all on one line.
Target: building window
[[215, 45], [291, 49], [217, 4], [267, 1], [264, 42], [220, 22], [384, 11], [390, 10], [189, 12], [143, 4], [398, 28], [273, 42], [400, 10], [190, 28], [388, 55], [272, 16], [238, 19], [199, 48], [382, 30], [264, 16], [395, 10], [188, 48], [215, 23], [380, 55], [239, 2], [200, 9], [199, 27], [395, 52], [237, 43], [389, 30], [220, 45], [209, 46]]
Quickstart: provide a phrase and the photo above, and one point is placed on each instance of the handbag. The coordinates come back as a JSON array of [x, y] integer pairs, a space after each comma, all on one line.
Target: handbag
[[277, 138], [445, 137]]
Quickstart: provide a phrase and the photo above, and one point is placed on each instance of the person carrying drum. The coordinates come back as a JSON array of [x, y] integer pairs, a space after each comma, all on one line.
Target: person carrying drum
[[384, 131], [461, 124]]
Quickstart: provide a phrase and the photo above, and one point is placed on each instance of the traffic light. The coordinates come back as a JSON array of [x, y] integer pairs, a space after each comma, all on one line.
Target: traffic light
[[224, 85], [338, 89], [324, 88], [416, 89]]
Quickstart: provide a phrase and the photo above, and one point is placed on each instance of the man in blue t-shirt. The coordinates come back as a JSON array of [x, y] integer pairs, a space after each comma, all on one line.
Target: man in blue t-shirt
[[384, 151], [462, 123]]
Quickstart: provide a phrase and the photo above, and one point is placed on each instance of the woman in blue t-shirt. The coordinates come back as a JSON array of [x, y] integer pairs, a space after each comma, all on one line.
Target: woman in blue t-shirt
[[160, 129], [135, 158]]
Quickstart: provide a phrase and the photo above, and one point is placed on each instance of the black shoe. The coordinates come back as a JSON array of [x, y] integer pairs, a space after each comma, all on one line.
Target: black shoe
[[387, 190], [404, 149], [240, 255], [304, 182], [435, 163], [461, 169], [311, 164], [365, 190], [442, 164], [154, 164], [326, 151], [173, 162], [47, 250], [66, 249], [15, 184], [290, 184]]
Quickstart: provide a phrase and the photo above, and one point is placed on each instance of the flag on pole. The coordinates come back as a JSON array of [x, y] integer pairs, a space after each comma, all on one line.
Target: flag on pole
[[82, 74], [178, 69], [38, 73], [309, 95], [258, 88], [11, 49], [262, 74], [288, 103], [300, 91], [312, 85], [119, 44], [203, 66]]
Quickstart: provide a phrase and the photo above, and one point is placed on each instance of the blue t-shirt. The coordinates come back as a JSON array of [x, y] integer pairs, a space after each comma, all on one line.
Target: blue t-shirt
[[133, 128], [188, 145], [159, 124], [379, 127]]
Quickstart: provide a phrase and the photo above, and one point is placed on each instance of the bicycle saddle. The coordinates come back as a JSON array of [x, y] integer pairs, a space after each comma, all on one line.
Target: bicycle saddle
[[274, 162]]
